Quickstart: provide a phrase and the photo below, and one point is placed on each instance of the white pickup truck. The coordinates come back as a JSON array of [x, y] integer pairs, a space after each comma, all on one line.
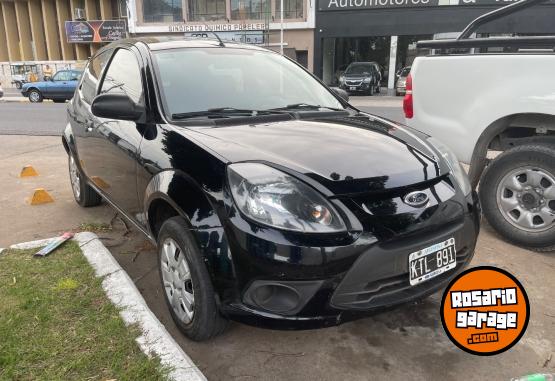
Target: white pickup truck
[[477, 103]]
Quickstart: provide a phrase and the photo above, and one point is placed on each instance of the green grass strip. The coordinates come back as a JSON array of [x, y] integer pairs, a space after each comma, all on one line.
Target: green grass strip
[[56, 323]]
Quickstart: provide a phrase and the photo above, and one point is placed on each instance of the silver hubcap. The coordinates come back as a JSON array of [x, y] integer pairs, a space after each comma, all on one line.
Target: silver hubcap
[[526, 198], [176, 277], [34, 96], [74, 177]]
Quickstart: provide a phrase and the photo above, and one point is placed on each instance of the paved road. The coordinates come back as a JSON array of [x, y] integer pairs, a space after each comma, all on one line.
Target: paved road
[[32, 118], [50, 119]]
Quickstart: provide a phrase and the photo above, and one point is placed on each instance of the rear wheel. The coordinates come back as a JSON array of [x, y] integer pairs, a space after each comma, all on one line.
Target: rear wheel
[[18, 85], [517, 191], [82, 192], [187, 286], [35, 96]]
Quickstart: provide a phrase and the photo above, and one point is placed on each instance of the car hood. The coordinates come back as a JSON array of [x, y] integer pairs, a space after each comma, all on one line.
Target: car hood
[[348, 76], [33, 84], [346, 154]]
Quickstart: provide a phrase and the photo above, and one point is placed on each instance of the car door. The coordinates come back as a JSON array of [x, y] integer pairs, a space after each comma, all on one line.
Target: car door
[[69, 86], [56, 88], [116, 142]]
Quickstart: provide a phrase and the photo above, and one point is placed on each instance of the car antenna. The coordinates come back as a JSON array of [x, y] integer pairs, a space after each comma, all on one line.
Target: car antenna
[[215, 34]]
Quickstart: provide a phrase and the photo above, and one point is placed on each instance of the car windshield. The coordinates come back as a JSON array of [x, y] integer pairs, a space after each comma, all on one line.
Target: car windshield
[[405, 72], [200, 79], [359, 68]]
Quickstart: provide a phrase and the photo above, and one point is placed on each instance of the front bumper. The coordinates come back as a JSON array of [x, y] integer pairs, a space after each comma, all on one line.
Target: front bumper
[[341, 279]]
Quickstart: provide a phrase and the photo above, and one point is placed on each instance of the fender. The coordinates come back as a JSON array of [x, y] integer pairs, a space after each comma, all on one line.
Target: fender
[[189, 201]]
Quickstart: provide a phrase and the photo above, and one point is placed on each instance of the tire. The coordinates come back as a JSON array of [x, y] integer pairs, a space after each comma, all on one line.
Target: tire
[[35, 96], [371, 90], [378, 89], [176, 241], [521, 215], [18, 85], [83, 193]]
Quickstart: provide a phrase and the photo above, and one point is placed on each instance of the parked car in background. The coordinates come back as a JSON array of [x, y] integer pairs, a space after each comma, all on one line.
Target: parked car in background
[[491, 104], [59, 88], [250, 224], [400, 86], [361, 77]]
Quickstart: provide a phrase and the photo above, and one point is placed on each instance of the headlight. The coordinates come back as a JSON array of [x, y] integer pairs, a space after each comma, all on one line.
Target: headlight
[[367, 80], [453, 163], [274, 198], [341, 79]]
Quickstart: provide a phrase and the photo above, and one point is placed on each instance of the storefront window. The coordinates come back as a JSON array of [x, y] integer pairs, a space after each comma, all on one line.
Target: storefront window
[[206, 10], [250, 9], [162, 11], [292, 9]]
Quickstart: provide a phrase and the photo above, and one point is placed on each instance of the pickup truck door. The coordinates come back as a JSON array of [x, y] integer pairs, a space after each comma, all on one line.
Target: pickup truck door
[[112, 147]]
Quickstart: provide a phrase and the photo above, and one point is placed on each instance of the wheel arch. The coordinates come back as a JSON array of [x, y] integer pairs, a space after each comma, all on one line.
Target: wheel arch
[[172, 193], [520, 128]]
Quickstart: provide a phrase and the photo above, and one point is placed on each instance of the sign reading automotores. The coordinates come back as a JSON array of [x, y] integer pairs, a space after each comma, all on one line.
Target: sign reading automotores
[[95, 30], [334, 5]]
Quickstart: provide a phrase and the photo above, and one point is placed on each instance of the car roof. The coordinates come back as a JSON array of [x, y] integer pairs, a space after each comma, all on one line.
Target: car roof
[[173, 42]]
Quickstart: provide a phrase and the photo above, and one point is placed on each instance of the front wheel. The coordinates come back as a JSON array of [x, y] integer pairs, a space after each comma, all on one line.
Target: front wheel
[[371, 90], [35, 96], [187, 286], [517, 191], [83, 193]]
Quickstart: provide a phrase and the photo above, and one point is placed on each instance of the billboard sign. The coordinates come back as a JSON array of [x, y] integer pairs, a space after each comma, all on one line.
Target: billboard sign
[[95, 31]]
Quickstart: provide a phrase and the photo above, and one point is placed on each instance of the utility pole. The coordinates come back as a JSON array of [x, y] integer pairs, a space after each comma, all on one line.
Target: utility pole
[[281, 32]]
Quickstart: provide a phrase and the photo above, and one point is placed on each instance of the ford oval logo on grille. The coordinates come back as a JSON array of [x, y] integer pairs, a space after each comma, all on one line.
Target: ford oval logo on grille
[[417, 199]]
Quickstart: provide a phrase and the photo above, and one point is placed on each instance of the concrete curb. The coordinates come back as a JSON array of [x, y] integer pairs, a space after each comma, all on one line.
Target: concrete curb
[[122, 292]]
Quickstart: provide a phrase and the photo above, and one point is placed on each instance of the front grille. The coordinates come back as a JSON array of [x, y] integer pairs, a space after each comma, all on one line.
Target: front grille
[[353, 82], [392, 290]]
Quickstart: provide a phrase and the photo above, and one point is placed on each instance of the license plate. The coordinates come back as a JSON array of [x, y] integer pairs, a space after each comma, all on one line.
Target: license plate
[[352, 88], [432, 261]]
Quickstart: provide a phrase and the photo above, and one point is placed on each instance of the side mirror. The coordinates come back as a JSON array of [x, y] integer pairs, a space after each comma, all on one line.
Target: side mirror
[[116, 106], [342, 93]]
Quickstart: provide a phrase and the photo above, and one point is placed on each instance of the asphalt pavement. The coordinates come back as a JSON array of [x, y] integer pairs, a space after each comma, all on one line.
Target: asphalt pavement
[[49, 119], [45, 118]]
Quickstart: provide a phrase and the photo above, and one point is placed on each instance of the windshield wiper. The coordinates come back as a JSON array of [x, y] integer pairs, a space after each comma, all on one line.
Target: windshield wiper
[[296, 106], [222, 112]]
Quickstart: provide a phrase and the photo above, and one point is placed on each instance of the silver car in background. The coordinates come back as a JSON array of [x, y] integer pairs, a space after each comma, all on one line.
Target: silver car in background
[[400, 87]]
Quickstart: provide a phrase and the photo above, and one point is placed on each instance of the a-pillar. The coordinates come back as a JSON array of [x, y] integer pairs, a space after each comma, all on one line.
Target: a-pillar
[[24, 29], [392, 65], [35, 16], [62, 12], [10, 27], [50, 29]]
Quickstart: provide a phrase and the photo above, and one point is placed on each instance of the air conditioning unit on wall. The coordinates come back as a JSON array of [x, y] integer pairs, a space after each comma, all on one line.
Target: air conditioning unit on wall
[[79, 14]]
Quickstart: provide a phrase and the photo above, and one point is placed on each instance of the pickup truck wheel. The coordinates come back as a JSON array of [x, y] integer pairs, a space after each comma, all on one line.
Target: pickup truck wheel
[[517, 191], [35, 96], [187, 286], [83, 193]]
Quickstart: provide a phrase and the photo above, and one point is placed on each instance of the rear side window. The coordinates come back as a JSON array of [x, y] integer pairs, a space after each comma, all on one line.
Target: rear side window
[[91, 75], [62, 76], [124, 76]]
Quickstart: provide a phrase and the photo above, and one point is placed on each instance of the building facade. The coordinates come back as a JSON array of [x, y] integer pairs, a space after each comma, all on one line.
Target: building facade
[[253, 21], [386, 31]]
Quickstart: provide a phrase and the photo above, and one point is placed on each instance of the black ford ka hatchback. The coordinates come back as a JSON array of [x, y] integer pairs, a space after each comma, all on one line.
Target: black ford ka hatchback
[[272, 201]]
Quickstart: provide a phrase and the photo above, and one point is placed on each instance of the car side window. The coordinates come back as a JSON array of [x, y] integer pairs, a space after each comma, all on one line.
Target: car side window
[[124, 76], [91, 75], [62, 76]]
